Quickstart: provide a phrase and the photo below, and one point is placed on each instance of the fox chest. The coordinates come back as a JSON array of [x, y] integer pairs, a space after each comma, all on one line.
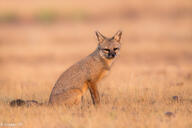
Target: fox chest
[[101, 75]]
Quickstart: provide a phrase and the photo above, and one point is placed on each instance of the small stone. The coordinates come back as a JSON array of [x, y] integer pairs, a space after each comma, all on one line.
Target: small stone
[[175, 98], [169, 114]]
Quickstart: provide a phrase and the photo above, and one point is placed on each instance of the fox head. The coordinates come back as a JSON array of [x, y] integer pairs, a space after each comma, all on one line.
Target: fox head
[[109, 47]]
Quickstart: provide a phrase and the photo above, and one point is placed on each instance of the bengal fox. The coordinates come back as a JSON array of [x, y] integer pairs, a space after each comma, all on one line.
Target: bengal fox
[[85, 74]]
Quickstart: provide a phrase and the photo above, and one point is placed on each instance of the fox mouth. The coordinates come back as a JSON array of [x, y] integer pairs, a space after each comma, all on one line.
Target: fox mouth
[[110, 58]]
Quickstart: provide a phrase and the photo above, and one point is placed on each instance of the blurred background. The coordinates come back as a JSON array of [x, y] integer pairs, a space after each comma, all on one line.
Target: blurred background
[[40, 39]]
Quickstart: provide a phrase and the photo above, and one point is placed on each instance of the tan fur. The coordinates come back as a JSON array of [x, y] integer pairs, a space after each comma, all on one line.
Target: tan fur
[[85, 74]]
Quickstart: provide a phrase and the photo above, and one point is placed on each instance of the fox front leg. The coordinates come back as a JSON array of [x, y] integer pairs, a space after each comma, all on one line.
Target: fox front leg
[[94, 94]]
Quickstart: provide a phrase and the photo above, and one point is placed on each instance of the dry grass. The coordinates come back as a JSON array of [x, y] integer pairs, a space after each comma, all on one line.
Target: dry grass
[[155, 65]]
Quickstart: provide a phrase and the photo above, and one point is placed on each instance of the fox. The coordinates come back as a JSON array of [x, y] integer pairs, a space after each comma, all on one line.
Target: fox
[[84, 75]]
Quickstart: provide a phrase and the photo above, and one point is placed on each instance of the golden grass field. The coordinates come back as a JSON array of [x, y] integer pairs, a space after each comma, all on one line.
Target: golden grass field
[[155, 63]]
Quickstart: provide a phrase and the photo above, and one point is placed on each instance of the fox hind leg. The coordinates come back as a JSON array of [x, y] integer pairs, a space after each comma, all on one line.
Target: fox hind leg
[[67, 98]]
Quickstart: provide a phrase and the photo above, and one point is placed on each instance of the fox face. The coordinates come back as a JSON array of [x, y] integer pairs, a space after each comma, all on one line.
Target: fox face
[[109, 47]]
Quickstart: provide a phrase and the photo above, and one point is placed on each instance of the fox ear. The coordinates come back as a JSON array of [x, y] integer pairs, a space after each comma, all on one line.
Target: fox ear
[[100, 37], [117, 36]]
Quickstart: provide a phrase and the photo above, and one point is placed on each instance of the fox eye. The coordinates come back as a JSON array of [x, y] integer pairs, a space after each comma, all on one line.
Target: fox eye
[[108, 50], [116, 49]]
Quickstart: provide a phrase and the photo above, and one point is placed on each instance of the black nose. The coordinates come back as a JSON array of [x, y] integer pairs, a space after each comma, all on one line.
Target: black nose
[[111, 55]]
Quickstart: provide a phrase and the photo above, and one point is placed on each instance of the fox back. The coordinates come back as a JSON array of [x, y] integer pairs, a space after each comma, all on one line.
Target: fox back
[[86, 73]]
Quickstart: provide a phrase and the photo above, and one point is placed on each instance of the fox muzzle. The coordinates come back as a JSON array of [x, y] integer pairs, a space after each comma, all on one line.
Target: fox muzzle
[[111, 55]]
